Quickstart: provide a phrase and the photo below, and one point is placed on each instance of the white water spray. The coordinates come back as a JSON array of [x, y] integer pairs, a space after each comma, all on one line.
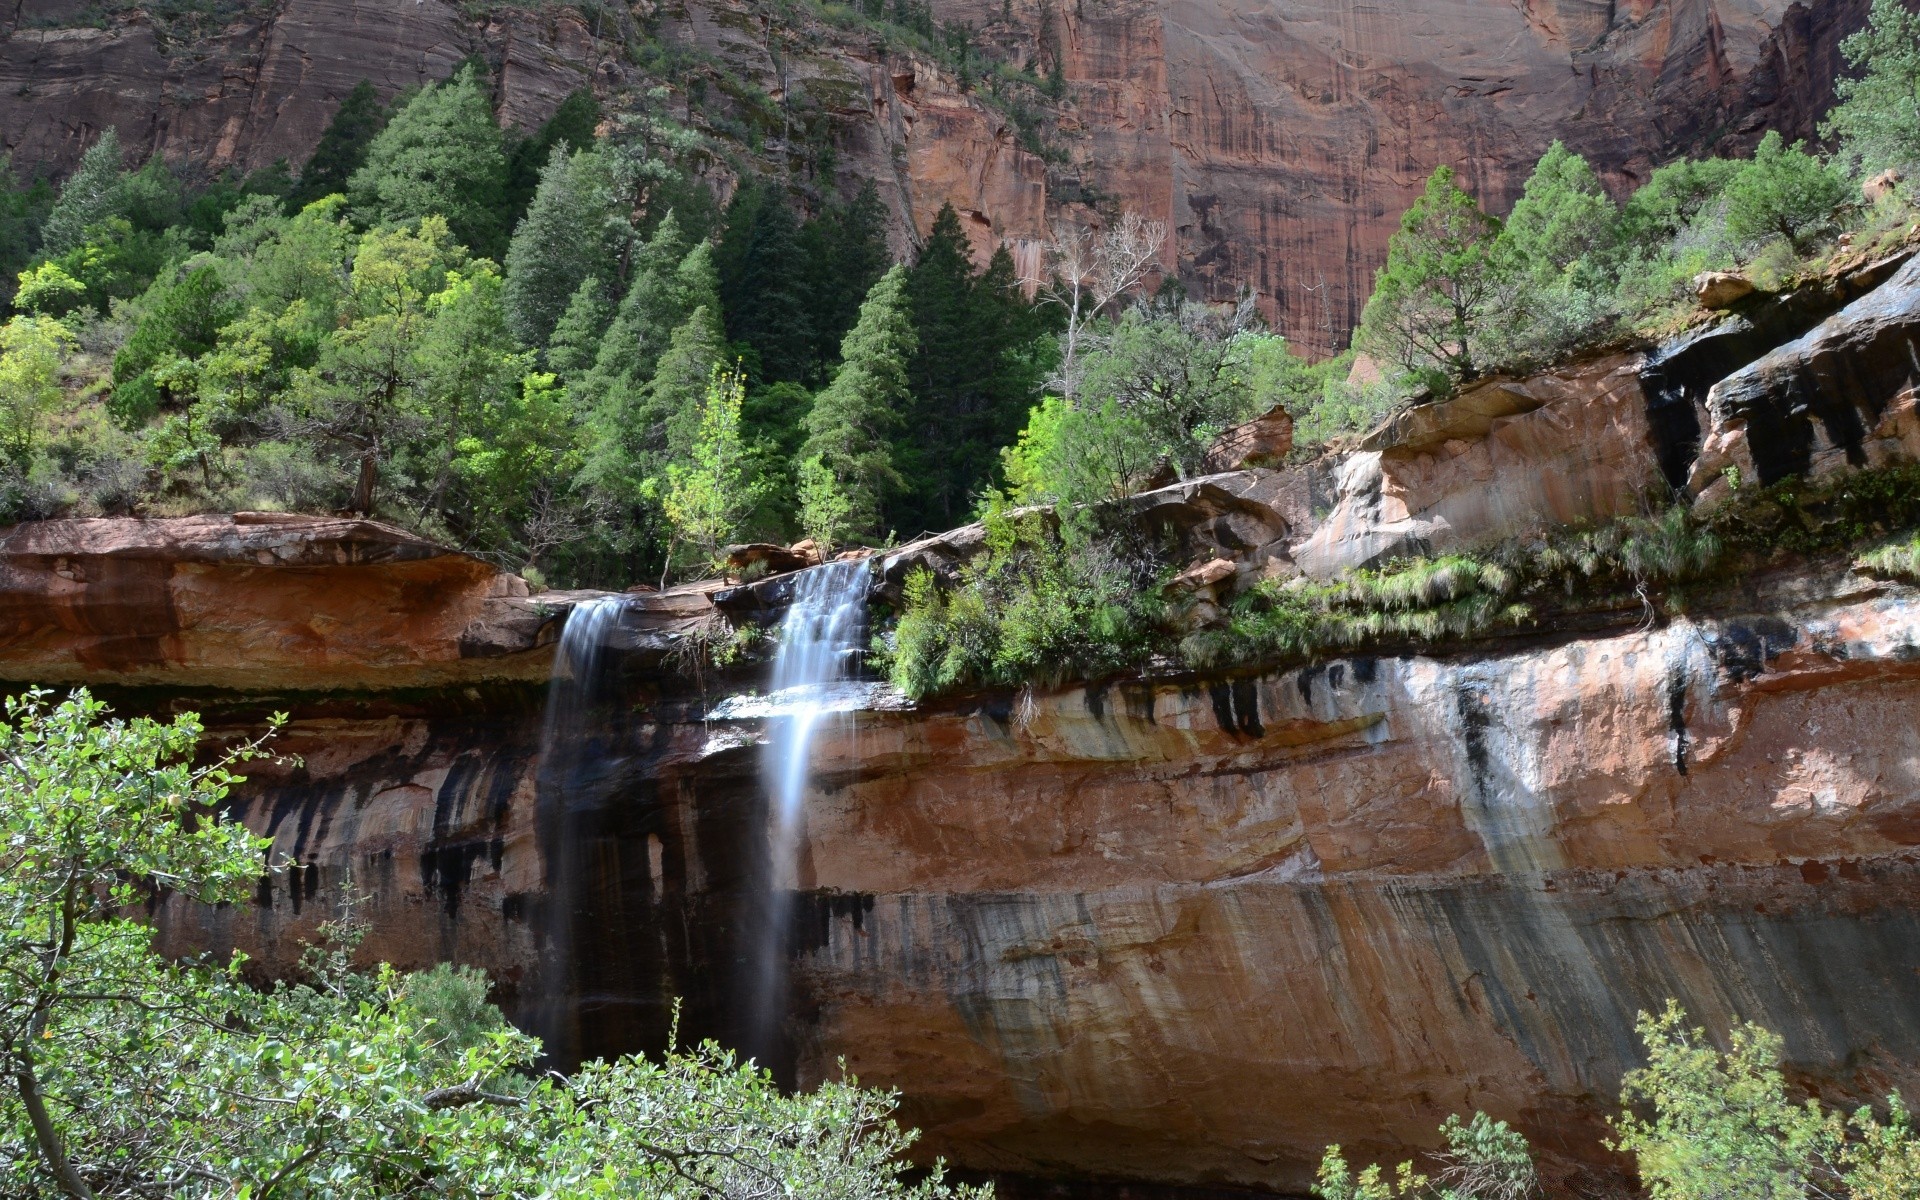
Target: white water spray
[[820, 642]]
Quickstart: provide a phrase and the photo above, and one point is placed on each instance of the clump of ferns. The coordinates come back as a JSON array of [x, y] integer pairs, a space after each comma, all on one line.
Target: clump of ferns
[[1897, 560], [1431, 599]]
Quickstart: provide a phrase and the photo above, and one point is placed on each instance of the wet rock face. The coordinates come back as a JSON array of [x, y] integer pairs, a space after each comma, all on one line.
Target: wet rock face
[[1279, 143]]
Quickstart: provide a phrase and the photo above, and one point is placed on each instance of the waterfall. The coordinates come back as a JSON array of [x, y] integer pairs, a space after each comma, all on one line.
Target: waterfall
[[820, 641], [575, 770]]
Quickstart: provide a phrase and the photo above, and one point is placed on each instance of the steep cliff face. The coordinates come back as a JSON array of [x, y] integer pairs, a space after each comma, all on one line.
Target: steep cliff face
[[1279, 142], [1184, 929]]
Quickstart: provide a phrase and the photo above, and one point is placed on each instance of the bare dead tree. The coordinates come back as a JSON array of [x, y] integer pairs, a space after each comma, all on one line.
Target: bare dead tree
[[1088, 271]]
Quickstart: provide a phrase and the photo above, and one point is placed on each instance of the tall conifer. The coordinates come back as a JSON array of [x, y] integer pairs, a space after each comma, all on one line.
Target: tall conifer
[[850, 430]]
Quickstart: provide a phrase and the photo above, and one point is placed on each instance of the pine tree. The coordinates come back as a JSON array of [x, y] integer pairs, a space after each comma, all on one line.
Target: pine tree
[[576, 336], [342, 149], [845, 249], [655, 305], [972, 383], [679, 385], [1562, 216], [441, 154], [762, 284], [1437, 285], [92, 194], [566, 236], [849, 431]]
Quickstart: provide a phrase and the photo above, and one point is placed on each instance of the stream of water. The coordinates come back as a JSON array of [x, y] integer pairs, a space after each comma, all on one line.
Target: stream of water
[[820, 642], [574, 770]]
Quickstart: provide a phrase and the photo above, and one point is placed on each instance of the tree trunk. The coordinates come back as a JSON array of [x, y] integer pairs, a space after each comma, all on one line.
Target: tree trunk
[[46, 1138], [363, 487]]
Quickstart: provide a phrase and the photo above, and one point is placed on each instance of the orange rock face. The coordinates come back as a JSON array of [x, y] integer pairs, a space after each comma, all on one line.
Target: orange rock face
[[1280, 143]]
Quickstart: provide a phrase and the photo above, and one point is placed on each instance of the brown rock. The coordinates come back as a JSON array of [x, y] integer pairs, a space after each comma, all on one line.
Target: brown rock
[[1721, 289], [1264, 441], [1201, 577], [1843, 395], [774, 560], [1882, 185]]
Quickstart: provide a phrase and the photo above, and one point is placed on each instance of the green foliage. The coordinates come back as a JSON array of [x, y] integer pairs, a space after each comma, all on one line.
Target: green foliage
[[1438, 285], [130, 1076], [439, 156], [1784, 192], [575, 124], [572, 231], [343, 145], [183, 319], [850, 426], [49, 291], [92, 194], [1485, 1159], [762, 284], [1877, 121], [1037, 605], [709, 499], [23, 211], [575, 342], [31, 349], [972, 376]]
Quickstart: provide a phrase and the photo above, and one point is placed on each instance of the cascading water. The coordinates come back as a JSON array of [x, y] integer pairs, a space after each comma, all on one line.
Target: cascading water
[[820, 641], [575, 769]]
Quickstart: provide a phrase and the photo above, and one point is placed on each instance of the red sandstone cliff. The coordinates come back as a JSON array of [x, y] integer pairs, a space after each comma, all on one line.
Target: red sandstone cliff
[[1279, 141], [1182, 930]]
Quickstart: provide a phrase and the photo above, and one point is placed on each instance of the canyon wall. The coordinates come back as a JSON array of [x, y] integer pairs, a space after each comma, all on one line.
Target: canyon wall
[[1176, 928], [1279, 141]]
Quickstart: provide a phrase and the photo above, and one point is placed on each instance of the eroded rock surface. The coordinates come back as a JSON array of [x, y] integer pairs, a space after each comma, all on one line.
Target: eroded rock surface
[[1279, 142]]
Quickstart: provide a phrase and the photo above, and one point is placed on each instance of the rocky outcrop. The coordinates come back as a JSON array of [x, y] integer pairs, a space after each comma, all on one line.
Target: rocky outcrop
[[1280, 146], [1841, 396], [1176, 927]]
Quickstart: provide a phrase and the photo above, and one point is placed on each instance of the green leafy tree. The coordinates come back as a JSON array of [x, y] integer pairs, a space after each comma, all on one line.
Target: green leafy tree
[[1438, 285], [973, 376], [1785, 192], [343, 146], [32, 350], [1877, 122], [441, 156], [468, 367], [845, 250], [681, 389], [1563, 217], [570, 232], [850, 429], [49, 291], [825, 510], [366, 394], [94, 192], [23, 211], [183, 320], [709, 496], [516, 469], [1484, 1160]]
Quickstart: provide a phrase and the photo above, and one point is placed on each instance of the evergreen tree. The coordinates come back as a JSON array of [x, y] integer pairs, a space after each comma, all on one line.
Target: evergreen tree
[[1877, 122], [576, 336], [762, 284], [23, 213], [93, 193], [845, 249], [1437, 285], [342, 148], [679, 385], [440, 155], [1562, 217], [576, 123], [850, 429], [655, 304], [972, 383], [566, 236]]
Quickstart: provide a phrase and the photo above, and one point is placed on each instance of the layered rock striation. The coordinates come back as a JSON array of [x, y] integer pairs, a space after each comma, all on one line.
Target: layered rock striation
[[1280, 143]]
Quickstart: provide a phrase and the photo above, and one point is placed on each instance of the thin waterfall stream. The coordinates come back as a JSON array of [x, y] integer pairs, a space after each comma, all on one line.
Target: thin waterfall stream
[[820, 642], [575, 769]]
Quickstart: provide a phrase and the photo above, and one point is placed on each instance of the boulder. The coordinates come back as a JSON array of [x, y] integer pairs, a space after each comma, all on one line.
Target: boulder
[[1264, 441], [1882, 185], [1721, 289], [774, 560]]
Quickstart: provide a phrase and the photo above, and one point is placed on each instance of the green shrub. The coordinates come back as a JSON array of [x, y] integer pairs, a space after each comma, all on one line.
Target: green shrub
[[1040, 604]]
